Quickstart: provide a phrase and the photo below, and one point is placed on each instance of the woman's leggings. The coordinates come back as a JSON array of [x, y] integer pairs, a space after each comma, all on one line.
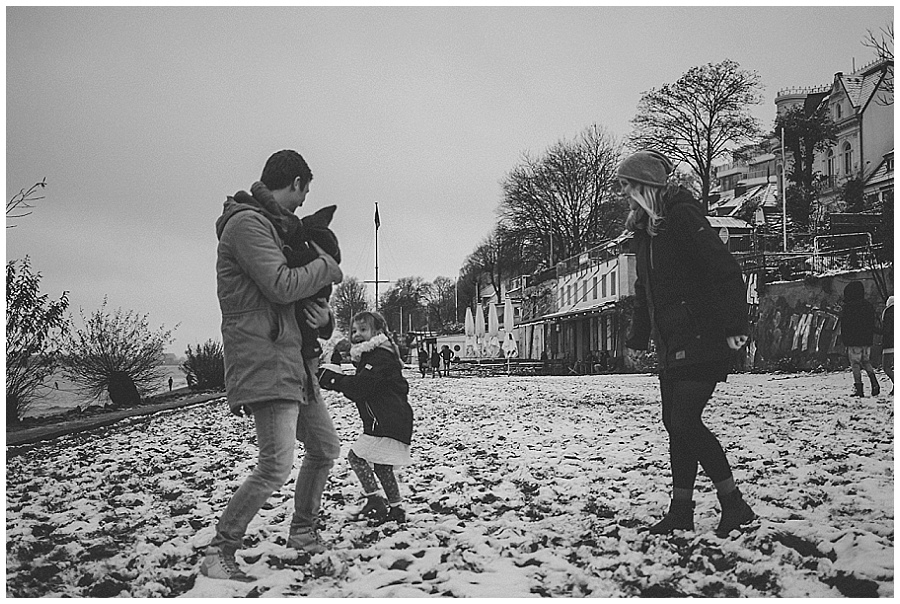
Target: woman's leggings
[[690, 441], [366, 477]]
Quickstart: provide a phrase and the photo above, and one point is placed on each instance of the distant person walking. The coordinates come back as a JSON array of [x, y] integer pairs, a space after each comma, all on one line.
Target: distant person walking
[[435, 363], [858, 330], [689, 296], [170, 383], [380, 393], [446, 358], [887, 340], [423, 360], [336, 357], [266, 374]]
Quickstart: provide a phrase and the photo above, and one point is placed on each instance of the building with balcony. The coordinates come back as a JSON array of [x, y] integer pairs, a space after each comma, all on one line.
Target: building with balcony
[[861, 107]]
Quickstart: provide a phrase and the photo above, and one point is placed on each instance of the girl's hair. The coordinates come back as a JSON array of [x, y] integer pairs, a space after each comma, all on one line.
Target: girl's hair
[[377, 324], [651, 213]]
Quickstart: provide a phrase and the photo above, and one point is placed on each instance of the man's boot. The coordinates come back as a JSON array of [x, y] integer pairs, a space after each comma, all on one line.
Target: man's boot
[[876, 389], [735, 512], [679, 517], [857, 389]]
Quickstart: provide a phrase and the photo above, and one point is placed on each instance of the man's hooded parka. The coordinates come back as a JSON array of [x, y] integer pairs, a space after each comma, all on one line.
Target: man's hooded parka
[[257, 291]]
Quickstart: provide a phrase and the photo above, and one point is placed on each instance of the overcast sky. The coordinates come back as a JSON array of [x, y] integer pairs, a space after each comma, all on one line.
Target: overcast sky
[[143, 120]]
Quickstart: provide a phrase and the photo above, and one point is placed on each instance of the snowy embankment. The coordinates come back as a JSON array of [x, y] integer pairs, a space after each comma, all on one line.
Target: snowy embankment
[[521, 487]]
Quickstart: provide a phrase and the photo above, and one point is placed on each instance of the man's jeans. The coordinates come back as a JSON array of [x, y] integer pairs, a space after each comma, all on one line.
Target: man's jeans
[[279, 424]]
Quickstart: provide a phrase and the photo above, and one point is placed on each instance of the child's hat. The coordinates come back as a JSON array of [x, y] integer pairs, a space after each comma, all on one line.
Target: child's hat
[[646, 167]]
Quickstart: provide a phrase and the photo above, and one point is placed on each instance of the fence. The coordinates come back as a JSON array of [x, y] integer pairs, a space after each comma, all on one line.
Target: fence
[[797, 265]]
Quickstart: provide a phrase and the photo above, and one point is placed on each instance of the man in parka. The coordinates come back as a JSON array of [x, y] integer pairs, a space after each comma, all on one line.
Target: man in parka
[[265, 373]]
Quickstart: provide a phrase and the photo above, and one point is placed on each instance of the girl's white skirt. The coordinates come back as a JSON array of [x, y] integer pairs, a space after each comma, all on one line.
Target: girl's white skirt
[[383, 450]]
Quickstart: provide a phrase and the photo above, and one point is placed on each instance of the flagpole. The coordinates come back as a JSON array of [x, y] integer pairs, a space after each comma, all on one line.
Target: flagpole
[[376, 254]]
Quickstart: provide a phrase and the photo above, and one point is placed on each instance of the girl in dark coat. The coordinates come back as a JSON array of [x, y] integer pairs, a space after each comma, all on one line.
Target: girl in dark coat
[[380, 393], [690, 297]]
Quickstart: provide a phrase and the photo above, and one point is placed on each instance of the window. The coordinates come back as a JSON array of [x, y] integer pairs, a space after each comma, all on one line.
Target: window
[[595, 288], [848, 159], [603, 286], [838, 111], [830, 164], [612, 283]]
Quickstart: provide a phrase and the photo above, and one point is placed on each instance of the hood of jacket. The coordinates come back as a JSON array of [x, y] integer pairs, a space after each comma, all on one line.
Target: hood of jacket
[[854, 292], [679, 195], [229, 209]]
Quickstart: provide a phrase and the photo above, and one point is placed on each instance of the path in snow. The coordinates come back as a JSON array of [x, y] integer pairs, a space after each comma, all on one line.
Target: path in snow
[[522, 486]]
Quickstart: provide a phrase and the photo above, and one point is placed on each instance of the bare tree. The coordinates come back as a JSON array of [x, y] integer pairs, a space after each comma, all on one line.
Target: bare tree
[[700, 118], [405, 299], [116, 353], [349, 298], [882, 42], [441, 303], [562, 202], [19, 205], [489, 261]]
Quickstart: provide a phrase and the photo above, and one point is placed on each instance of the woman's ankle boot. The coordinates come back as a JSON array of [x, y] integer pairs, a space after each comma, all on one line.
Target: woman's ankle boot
[[735, 512], [679, 517]]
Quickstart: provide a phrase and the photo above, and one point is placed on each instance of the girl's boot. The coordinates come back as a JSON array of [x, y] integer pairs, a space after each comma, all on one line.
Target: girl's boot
[[375, 508], [735, 512], [876, 389], [679, 517], [396, 514]]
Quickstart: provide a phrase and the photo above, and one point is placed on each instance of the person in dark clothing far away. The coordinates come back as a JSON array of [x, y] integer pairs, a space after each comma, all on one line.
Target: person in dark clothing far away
[[380, 393], [336, 357], [423, 360], [690, 298], [170, 384], [435, 363], [887, 340], [858, 329], [446, 357]]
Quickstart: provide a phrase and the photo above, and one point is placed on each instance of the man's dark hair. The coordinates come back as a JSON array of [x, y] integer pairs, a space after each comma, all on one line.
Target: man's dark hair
[[282, 168]]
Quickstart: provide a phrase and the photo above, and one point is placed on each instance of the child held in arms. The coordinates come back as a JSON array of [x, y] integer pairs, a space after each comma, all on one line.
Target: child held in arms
[[380, 392]]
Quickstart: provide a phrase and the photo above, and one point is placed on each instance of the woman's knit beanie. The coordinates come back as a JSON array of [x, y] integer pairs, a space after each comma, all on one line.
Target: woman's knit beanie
[[646, 167]]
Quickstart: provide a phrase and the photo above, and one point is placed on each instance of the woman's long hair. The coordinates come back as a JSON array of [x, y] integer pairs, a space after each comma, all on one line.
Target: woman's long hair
[[377, 324], [651, 214]]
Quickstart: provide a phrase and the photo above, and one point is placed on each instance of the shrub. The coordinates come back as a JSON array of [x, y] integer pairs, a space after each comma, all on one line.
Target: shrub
[[205, 368], [33, 327], [116, 353]]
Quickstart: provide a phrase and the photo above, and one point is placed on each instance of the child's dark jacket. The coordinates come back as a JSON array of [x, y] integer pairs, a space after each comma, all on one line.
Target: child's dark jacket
[[381, 395]]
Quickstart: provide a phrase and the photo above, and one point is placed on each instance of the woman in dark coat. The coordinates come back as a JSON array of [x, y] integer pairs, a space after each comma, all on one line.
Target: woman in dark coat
[[690, 297]]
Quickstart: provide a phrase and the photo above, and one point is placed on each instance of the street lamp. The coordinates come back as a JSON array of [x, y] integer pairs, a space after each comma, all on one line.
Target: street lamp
[[783, 193]]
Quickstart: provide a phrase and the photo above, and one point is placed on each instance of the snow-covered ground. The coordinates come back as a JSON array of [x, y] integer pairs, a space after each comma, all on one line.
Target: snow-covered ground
[[532, 486]]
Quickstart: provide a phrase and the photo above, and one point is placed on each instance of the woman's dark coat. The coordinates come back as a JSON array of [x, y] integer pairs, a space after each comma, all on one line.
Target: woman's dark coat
[[380, 393], [689, 293]]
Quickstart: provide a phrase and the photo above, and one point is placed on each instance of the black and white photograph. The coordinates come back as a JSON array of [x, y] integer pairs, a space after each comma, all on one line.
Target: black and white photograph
[[450, 301]]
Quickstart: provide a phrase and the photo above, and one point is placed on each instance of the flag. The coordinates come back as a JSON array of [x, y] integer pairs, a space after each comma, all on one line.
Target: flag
[[377, 219]]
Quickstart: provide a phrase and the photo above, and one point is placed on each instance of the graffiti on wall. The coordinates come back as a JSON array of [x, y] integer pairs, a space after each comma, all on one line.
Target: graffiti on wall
[[788, 332]]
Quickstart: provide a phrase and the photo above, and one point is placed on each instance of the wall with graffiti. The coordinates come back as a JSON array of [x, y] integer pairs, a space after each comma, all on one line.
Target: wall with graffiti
[[795, 323]]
